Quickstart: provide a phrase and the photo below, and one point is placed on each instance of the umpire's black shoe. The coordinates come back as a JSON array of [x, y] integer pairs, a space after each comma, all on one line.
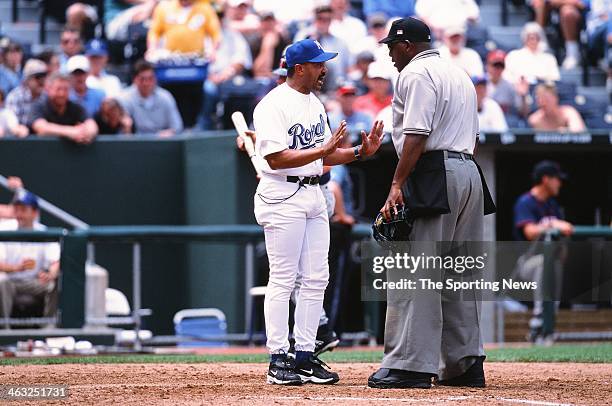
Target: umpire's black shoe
[[386, 378], [314, 370], [326, 340], [282, 372], [474, 377]]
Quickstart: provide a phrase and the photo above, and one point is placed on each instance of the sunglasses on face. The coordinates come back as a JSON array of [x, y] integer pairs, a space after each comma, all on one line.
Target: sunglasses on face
[[70, 40], [39, 76], [498, 65]]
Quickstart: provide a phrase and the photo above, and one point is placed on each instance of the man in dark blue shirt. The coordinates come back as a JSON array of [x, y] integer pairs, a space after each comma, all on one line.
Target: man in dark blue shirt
[[537, 210]]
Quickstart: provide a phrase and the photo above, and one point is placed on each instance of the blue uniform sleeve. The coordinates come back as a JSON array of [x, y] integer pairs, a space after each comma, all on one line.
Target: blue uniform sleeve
[[338, 174], [524, 213]]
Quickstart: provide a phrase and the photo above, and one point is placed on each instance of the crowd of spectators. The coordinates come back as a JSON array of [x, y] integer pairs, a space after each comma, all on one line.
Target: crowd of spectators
[[70, 93]]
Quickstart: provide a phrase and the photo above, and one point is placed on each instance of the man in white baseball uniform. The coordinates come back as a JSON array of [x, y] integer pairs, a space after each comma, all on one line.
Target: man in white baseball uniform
[[295, 141]]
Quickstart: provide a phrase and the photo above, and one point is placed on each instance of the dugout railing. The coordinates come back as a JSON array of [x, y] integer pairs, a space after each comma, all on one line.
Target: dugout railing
[[549, 309], [77, 243]]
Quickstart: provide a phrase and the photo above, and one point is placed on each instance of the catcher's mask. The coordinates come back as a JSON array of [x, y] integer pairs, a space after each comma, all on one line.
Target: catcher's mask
[[398, 228]]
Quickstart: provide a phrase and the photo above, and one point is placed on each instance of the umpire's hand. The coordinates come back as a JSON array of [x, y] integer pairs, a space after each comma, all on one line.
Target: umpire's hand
[[394, 199]]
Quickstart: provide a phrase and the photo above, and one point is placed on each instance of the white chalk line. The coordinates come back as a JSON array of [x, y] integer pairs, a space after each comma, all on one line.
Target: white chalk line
[[325, 398], [408, 399]]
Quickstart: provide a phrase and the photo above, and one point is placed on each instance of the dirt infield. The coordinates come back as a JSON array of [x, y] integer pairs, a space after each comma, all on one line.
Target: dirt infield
[[223, 384]]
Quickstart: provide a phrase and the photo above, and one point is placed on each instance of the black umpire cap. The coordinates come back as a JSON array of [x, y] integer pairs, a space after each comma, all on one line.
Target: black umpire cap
[[408, 29]]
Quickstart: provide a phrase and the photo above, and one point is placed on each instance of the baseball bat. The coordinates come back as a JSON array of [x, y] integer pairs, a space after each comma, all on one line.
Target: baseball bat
[[241, 128]]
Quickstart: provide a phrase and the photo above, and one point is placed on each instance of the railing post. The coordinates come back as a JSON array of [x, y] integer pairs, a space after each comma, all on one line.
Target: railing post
[[136, 293], [72, 280], [249, 277]]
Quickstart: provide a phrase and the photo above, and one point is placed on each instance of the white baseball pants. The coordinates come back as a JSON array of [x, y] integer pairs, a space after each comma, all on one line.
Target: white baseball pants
[[297, 242]]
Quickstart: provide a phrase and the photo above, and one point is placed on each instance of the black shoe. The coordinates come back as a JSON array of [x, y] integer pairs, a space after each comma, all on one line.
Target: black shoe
[[282, 372], [474, 377], [326, 340], [386, 378], [313, 370]]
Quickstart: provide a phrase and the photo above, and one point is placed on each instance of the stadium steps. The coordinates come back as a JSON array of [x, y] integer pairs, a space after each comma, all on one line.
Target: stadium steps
[[516, 325], [25, 30]]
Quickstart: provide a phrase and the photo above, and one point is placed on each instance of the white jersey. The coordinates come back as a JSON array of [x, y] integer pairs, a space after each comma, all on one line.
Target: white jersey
[[287, 119]]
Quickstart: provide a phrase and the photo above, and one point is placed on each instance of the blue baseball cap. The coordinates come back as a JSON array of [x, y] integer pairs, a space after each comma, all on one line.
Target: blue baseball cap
[[307, 50], [26, 199], [96, 47]]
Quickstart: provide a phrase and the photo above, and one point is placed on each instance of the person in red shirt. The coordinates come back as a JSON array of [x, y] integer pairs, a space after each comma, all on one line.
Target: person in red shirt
[[379, 90]]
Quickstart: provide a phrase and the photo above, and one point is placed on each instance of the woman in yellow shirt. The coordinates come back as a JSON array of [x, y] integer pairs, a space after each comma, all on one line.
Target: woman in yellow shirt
[[184, 26]]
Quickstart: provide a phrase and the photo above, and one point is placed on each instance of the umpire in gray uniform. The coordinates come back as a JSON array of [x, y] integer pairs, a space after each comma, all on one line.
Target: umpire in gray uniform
[[435, 131]]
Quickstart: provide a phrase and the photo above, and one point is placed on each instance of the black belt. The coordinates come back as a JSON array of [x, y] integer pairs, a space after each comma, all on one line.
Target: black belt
[[305, 180], [459, 155]]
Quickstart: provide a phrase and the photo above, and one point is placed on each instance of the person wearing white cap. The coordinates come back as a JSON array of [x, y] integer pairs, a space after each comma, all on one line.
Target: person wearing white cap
[[454, 49], [90, 99], [21, 99], [379, 94]]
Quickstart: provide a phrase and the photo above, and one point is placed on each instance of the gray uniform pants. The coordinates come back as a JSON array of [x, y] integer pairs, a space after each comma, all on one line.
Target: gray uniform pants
[[424, 331], [9, 288]]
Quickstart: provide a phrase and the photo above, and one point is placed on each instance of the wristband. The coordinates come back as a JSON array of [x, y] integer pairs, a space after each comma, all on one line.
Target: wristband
[[357, 152]]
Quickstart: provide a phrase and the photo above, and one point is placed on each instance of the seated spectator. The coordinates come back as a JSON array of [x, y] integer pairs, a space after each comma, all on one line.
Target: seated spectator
[[121, 15], [286, 12], [441, 15], [10, 69], [320, 31], [550, 116], [490, 115], [152, 108], [82, 16], [28, 267], [49, 57], [267, 46], [531, 62], [513, 100], [71, 45], [358, 73], [454, 49], [377, 30], [97, 53], [89, 99], [598, 27], [349, 29], [21, 99], [184, 26], [379, 90], [233, 58], [112, 119], [356, 120], [570, 20], [390, 8], [56, 115], [240, 17], [9, 124]]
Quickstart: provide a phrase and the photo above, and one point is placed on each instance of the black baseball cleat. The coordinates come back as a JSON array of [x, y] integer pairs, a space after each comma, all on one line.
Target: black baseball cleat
[[326, 340], [386, 378], [282, 372], [474, 377], [314, 370]]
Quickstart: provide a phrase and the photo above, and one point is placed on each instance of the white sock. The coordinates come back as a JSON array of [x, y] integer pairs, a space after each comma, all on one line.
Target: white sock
[[571, 49]]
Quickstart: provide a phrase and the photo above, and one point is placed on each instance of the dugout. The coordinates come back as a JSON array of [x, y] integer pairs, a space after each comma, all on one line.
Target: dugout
[[203, 179]]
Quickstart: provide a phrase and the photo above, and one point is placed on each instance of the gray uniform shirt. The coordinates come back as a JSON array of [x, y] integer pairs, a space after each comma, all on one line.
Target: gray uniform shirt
[[155, 113], [436, 99]]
